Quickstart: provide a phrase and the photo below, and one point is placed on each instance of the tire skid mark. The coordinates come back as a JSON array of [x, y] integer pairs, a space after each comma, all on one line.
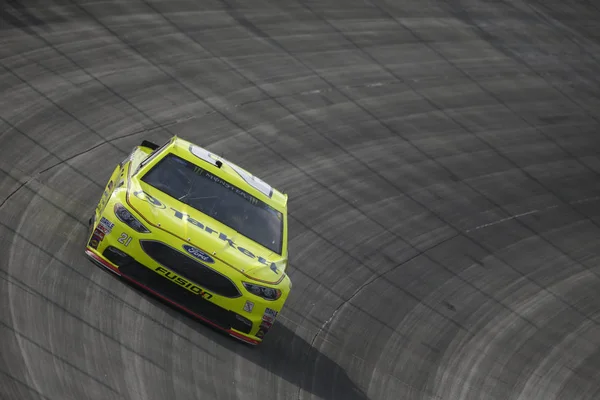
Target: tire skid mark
[[373, 279], [78, 172]]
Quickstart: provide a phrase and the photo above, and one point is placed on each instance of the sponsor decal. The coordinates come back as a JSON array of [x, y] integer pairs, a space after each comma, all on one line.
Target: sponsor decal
[[140, 194], [94, 242], [98, 234], [267, 322], [270, 312], [227, 185], [249, 306], [265, 325], [105, 225], [199, 254], [182, 216], [184, 283], [223, 237], [124, 239], [269, 315], [96, 238], [250, 179]]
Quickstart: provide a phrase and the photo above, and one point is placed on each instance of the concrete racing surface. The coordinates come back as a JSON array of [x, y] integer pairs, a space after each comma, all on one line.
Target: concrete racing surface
[[441, 159]]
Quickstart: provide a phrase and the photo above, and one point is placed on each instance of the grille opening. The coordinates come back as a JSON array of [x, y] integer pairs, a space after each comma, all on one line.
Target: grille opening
[[226, 319], [191, 269], [116, 256]]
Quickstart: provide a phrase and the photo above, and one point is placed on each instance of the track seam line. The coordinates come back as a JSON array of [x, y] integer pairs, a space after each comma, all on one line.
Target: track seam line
[[50, 352], [55, 104], [75, 170], [65, 160], [15, 192], [145, 130], [92, 77], [29, 387], [100, 288], [21, 285]]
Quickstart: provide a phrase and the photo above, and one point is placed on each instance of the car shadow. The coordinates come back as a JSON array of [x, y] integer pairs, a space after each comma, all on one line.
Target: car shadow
[[283, 353]]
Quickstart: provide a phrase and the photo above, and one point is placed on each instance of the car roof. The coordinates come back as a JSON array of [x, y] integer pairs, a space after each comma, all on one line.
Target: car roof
[[230, 172]]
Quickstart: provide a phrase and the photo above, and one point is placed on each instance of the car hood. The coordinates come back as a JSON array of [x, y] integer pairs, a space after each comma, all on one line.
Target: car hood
[[222, 243]]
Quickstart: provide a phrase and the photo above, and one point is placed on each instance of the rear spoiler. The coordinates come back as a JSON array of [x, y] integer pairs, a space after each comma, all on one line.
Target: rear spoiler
[[150, 145]]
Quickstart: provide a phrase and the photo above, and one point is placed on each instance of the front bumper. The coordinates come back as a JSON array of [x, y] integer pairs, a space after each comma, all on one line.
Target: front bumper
[[145, 278]]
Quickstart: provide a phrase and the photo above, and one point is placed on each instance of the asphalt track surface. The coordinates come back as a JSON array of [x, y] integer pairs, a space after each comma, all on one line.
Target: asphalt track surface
[[441, 159]]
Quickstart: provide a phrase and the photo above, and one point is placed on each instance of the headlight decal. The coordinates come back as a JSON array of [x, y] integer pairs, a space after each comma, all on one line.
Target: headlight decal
[[125, 216], [266, 293]]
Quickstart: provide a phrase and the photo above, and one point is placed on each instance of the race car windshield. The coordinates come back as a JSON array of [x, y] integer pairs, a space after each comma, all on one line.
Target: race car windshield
[[228, 204]]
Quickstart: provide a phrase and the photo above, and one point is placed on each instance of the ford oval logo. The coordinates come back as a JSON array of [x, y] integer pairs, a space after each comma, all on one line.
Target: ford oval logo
[[199, 254]]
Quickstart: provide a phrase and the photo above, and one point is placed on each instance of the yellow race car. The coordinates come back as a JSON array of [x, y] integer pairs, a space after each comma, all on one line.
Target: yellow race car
[[197, 231]]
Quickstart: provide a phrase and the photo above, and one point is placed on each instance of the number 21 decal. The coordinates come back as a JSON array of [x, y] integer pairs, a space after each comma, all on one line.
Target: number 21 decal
[[124, 239]]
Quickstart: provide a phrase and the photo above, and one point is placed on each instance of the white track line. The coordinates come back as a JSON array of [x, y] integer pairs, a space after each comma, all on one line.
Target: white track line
[[586, 200]]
